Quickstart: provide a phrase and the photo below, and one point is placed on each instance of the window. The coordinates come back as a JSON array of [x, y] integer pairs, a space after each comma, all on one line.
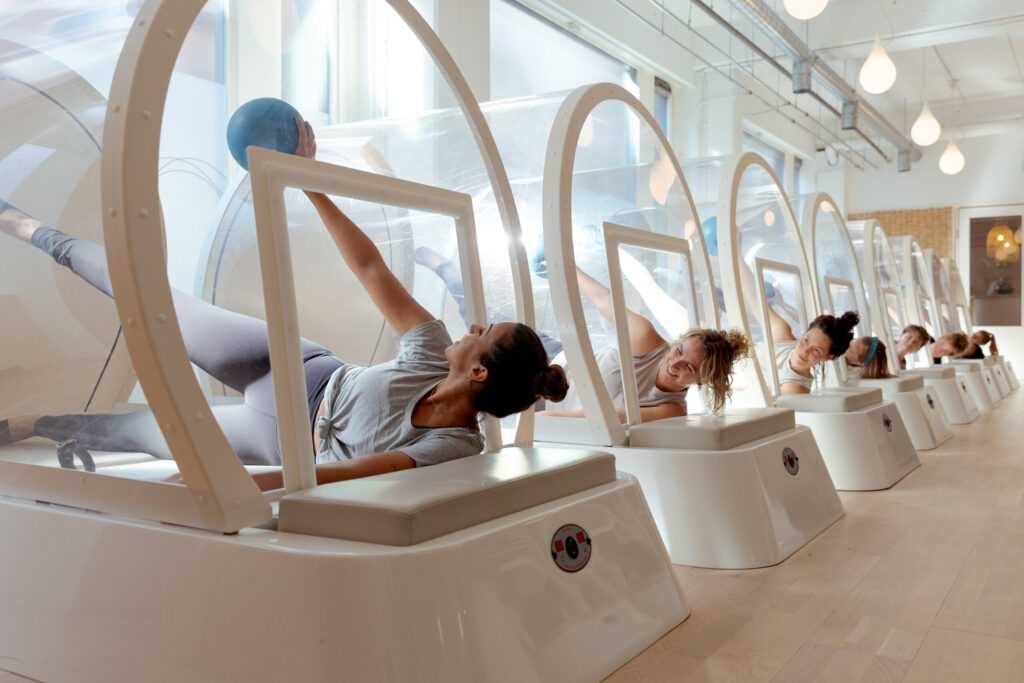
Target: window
[[775, 158], [530, 55], [663, 106]]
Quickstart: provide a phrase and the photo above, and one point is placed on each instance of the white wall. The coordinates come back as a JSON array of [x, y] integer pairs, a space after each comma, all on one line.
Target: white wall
[[993, 174]]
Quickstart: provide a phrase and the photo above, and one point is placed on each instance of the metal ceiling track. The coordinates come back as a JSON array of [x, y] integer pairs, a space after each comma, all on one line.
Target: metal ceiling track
[[805, 64]]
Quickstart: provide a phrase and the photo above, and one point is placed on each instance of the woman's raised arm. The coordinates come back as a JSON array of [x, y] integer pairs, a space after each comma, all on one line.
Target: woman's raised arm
[[361, 255], [643, 337]]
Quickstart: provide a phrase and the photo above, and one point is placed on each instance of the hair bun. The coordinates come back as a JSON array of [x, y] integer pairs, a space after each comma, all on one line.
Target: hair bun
[[739, 343], [849, 319], [551, 384]]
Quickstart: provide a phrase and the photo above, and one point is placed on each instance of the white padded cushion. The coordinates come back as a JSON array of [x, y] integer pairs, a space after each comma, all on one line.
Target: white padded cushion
[[832, 400], [571, 430], [893, 385], [712, 432], [936, 372], [411, 506], [964, 366]]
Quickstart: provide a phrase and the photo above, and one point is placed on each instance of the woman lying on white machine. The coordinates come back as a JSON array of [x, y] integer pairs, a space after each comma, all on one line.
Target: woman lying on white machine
[[418, 409], [952, 345], [826, 338], [911, 339], [868, 354], [664, 371]]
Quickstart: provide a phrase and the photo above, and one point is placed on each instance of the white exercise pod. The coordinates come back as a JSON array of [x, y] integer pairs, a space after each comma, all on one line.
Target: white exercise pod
[[841, 286], [912, 275], [962, 315], [938, 290], [738, 490], [133, 576], [919, 404], [862, 437]]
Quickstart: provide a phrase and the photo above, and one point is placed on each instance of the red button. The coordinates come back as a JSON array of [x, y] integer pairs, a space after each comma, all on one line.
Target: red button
[[579, 537], [559, 547]]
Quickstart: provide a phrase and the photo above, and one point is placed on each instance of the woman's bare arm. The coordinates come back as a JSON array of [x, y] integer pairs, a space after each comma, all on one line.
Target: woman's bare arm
[[780, 329], [356, 468], [361, 255], [643, 337]]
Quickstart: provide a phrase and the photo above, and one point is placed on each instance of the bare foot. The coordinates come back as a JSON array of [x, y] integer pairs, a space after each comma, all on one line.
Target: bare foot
[[17, 223], [425, 256], [22, 427]]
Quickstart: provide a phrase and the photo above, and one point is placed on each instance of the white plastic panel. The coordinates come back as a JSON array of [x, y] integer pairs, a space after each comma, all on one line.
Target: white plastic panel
[[886, 300], [762, 259], [835, 263], [607, 161], [188, 224], [958, 297]]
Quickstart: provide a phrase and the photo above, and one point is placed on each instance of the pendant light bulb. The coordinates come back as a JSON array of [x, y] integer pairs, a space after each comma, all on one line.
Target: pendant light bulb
[[878, 72], [804, 9], [926, 128], [952, 160]]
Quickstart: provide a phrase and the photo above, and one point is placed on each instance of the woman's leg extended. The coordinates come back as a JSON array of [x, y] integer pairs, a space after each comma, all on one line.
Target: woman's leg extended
[[232, 347], [251, 433]]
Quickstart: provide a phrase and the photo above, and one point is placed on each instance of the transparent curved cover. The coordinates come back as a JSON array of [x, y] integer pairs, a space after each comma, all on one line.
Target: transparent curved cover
[[624, 177], [840, 283], [773, 270], [65, 353]]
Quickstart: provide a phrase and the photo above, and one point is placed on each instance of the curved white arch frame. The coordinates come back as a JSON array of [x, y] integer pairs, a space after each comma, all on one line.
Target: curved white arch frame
[[962, 305], [561, 261], [915, 276], [132, 227], [829, 284], [886, 297], [728, 249], [923, 416], [343, 570], [729, 503], [939, 291], [995, 384], [839, 418], [886, 284], [917, 279]]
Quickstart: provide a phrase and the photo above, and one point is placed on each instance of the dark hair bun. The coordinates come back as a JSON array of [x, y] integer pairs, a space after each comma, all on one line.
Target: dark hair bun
[[849, 319], [551, 384]]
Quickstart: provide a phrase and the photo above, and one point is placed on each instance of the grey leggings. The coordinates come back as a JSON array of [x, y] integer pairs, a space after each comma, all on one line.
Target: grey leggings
[[231, 347]]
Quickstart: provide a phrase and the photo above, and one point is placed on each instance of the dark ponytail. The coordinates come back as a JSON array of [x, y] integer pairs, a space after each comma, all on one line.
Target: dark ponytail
[[518, 374], [839, 330]]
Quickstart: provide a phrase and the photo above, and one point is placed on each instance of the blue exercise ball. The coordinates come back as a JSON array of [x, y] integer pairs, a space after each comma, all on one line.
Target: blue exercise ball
[[264, 122], [710, 229]]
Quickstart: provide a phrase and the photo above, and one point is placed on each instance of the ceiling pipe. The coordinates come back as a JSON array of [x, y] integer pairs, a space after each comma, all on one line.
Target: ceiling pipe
[[853, 107]]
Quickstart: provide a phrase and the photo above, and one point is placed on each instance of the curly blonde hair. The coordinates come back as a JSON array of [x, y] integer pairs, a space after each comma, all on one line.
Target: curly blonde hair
[[722, 348]]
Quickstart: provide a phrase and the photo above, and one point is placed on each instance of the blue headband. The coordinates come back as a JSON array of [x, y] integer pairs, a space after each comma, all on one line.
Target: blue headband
[[872, 347]]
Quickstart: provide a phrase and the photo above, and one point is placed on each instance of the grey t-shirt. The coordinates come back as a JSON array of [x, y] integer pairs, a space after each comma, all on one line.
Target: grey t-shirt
[[783, 349], [646, 368], [369, 410]]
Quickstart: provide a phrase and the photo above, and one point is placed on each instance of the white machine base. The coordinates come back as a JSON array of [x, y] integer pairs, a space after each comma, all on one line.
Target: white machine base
[[865, 450], [91, 597], [923, 416], [1011, 376], [999, 375], [977, 380], [955, 398], [749, 506]]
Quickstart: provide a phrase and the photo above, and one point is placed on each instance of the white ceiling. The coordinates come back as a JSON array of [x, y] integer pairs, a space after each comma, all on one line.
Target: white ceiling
[[977, 45]]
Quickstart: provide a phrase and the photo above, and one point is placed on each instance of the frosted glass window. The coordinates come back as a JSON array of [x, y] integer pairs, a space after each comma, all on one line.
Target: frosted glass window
[[530, 56], [663, 106], [775, 158]]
